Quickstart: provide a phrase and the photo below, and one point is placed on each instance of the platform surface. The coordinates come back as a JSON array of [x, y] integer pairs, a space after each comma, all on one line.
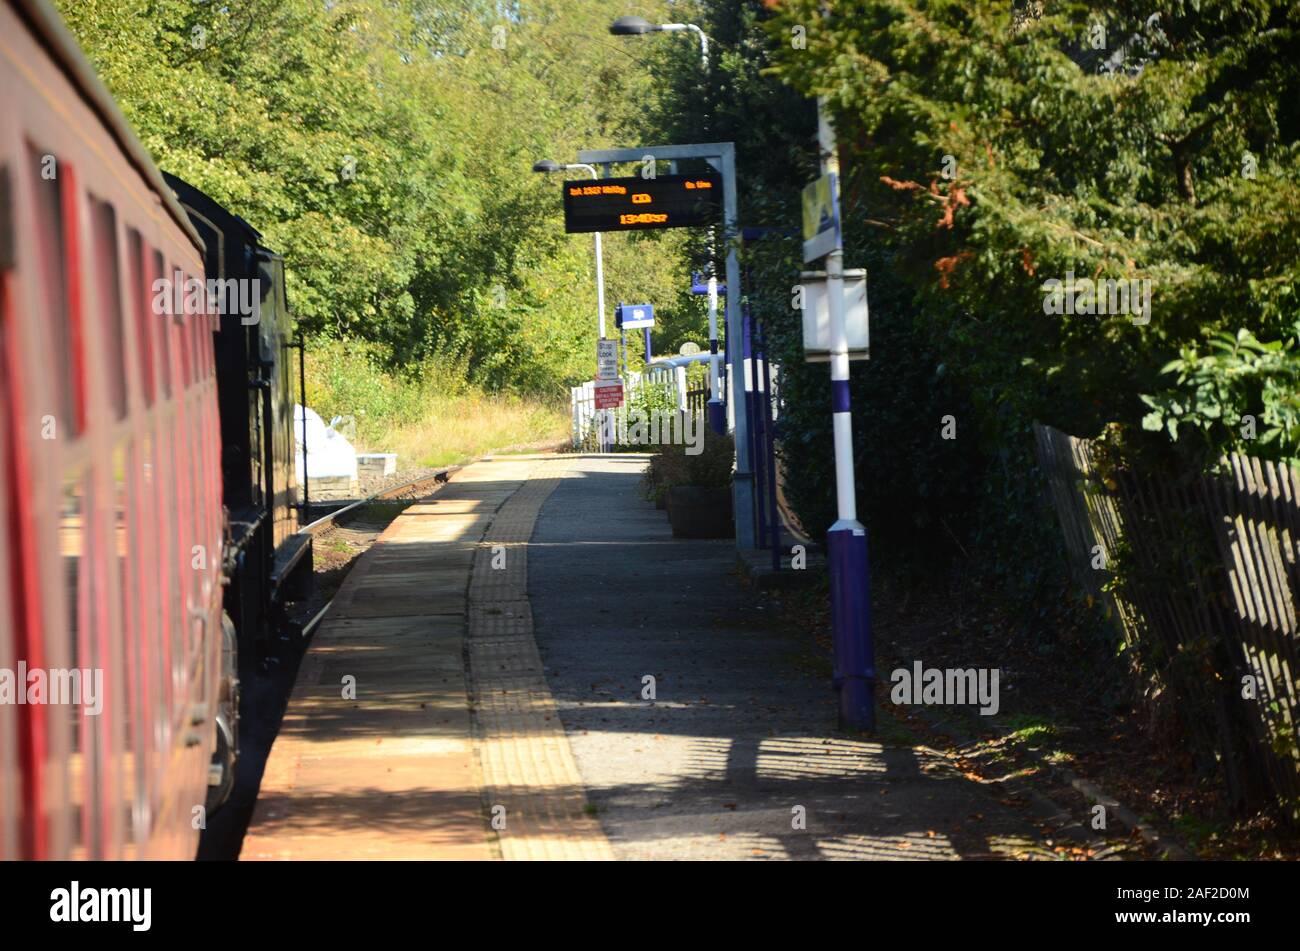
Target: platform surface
[[420, 725]]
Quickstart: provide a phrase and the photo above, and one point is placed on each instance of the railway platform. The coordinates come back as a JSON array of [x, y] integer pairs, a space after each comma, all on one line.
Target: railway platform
[[527, 665], [419, 719]]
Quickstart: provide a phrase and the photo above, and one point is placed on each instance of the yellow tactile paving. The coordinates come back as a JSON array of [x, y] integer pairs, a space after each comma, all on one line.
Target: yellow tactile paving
[[530, 778]]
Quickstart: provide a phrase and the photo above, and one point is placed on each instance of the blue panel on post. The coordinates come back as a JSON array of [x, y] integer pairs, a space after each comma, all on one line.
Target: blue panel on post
[[700, 284], [634, 316]]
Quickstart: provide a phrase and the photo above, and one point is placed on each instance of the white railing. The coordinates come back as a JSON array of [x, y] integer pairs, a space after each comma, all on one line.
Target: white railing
[[669, 374], [587, 420]]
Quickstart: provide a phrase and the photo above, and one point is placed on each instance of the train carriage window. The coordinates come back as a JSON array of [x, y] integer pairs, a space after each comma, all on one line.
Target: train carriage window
[[206, 344], [56, 242], [109, 288], [24, 600], [197, 328], [102, 782], [161, 323], [175, 493], [184, 331], [141, 308], [117, 713], [154, 695], [72, 550], [134, 555]]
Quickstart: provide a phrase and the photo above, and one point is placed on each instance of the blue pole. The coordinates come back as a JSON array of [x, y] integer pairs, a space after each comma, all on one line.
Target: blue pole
[[647, 345]]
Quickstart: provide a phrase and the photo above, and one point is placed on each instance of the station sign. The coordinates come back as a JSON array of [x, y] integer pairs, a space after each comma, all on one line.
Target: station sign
[[817, 315], [634, 316], [608, 393], [607, 359], [642, 204], [821, 218]]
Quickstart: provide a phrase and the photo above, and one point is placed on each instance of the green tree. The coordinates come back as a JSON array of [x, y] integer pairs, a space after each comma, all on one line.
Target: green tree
[[385, 148]]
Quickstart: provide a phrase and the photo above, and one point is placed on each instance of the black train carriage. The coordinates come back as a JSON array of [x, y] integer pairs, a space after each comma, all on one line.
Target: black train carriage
[[269, 563]]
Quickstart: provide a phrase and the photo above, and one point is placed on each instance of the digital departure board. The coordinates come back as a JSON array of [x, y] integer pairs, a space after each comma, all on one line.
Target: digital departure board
[[638, 204]]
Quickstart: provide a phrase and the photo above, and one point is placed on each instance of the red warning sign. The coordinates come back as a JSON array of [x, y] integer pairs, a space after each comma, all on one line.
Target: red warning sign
[[609, 394]]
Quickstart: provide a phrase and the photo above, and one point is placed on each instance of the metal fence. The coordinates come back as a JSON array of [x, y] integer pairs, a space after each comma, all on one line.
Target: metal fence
[[1202, 574]]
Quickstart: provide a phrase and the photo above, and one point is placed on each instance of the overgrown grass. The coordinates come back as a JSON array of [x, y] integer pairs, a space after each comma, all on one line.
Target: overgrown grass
[[430, 415]]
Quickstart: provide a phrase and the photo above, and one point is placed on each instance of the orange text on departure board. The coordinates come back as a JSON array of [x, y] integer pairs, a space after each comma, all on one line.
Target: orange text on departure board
[[645, 218], [581, 190]]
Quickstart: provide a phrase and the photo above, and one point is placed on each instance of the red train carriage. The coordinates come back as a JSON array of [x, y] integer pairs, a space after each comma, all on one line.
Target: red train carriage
[[110, 478]]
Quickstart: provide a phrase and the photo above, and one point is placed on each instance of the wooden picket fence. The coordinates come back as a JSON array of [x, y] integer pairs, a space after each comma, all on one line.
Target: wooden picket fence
[[697, 400], [1207, 585]]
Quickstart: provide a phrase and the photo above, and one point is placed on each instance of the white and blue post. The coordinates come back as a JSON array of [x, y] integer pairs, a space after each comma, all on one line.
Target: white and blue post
[[846, 540], [716, 411]]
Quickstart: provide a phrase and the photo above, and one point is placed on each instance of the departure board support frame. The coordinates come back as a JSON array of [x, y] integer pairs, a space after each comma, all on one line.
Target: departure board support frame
[[721, 156]]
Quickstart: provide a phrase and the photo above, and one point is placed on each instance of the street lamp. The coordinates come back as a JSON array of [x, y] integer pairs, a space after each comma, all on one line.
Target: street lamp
[[638, 26]]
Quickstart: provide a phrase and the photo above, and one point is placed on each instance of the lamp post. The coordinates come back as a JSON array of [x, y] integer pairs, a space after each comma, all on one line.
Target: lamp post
[[636, 26], [639, 26], [549, 166]]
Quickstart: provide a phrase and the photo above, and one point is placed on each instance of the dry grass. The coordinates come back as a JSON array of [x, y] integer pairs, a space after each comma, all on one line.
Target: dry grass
[[429, 414], [469, 425]]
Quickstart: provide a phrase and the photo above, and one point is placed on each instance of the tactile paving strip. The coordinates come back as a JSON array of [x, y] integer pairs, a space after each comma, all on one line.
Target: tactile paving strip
[[531, 785]]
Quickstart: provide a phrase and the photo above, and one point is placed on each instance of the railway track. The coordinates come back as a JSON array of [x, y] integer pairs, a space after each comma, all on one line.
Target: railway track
[[368, 516], [407, 490]]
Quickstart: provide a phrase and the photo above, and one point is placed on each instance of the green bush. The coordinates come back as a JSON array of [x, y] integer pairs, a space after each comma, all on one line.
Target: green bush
[[1242, 395], [710, 468], [350, 379]]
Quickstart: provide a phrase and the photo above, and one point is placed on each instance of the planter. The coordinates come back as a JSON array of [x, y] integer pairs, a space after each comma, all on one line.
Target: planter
[[697, 512]]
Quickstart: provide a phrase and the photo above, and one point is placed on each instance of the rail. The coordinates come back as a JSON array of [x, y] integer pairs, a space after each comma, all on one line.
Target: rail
[[413, 489]]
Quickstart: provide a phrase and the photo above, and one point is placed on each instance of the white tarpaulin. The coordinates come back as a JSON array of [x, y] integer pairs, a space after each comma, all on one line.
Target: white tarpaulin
[[329, 454]]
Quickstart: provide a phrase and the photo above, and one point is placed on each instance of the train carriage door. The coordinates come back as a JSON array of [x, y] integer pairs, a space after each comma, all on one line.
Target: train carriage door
[[256, 427], [10, 778], [273, 333], [22, 831], [161, 483], [111, 552], [138, 621], [50, 441]]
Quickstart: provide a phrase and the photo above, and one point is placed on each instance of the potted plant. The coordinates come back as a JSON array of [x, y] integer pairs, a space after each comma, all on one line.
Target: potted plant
[[696, 482]]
